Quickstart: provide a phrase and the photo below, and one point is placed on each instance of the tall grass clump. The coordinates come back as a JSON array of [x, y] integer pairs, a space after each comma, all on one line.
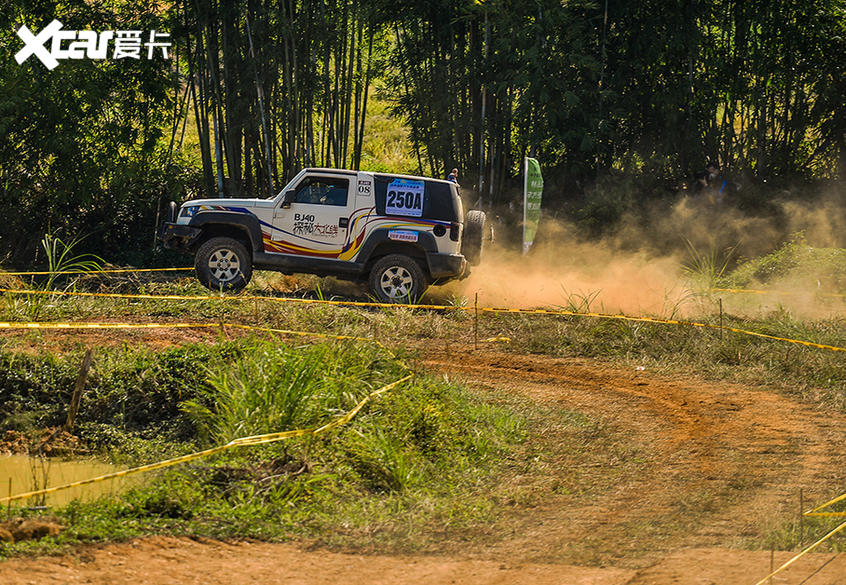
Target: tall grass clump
[[61, 258], [275, 387], [707, 269]]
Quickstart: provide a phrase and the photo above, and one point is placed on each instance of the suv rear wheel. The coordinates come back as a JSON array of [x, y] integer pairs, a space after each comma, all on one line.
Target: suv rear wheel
[[397, 279], [223, 264]]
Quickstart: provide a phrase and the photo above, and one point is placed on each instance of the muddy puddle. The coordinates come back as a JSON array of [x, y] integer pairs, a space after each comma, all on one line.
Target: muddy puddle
[[29, 473]]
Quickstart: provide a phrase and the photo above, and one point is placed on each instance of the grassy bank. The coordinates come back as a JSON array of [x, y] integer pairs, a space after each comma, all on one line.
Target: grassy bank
[[419, 461]]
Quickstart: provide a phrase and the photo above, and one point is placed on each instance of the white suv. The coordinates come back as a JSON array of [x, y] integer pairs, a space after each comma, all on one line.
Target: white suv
[[398, 232]]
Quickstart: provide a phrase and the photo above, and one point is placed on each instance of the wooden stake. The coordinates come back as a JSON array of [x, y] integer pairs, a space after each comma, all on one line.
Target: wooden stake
[[772, 561], [77, 391], [721, 319], [476, 322], [9, 502], [801, 518]]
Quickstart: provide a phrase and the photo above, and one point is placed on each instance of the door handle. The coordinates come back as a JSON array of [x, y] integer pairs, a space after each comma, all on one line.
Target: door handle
[[344, 222]]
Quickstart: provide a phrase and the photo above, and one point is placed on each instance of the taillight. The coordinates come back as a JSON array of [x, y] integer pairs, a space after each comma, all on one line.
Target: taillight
[[454, 231]]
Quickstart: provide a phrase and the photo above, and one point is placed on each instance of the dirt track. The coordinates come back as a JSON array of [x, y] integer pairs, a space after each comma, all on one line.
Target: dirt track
[[173, 561], [722, 463]]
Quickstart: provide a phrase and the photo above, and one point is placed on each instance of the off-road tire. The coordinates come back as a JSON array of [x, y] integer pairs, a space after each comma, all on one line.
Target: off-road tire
[[397, 279], [473, 236], [223, 264]]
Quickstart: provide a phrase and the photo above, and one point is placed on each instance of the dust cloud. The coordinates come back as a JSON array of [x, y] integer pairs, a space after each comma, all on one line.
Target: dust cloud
[[577, 275], [664, 262]]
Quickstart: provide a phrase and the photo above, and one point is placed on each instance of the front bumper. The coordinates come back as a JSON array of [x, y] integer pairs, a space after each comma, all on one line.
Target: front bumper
[[178, 237], [446, 266]]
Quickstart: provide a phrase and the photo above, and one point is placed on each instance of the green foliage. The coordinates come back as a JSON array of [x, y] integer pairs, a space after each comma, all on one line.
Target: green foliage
[[796, 264], [649, 88], [84, 146], [579, 302], [274, 387], [421, 454], [254, 92], [135, 390], [60, 258], [383, 462], [706, 270]]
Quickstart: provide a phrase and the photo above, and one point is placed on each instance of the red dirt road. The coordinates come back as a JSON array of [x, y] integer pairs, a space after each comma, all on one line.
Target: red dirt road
[[185, 562], [174, 561]]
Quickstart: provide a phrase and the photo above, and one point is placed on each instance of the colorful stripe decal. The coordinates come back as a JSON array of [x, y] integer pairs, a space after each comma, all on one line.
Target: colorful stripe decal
[[360, 221]]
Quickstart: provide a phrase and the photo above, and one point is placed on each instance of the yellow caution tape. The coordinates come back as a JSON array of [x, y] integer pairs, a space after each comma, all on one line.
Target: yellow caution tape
[[560, 312], [65, 293], [752, 291], [666, 322], [816, 511], [241, 442], [230, 298], [95, 272], [801, 554], [59, 325], [88, 325]]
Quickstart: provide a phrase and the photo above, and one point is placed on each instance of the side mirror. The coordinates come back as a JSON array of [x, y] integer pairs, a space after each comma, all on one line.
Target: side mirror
[[288, 198]]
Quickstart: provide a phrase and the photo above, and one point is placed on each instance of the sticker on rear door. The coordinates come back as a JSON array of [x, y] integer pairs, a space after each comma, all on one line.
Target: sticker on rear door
[[405, 197], [402, 235]]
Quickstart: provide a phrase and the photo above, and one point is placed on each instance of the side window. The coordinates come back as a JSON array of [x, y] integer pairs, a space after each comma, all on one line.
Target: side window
[[323, 191]]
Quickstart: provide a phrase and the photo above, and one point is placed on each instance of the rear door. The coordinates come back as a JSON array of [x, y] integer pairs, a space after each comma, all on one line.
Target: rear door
[[317, 222]]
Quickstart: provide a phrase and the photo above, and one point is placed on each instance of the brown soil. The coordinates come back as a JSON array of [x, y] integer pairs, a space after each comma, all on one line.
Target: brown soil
[[22, 529], [725, 463], [49, 442], [719, 466], [180, 561]]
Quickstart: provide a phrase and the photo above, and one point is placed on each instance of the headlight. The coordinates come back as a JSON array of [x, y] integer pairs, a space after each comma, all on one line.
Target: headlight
[[189, 211]]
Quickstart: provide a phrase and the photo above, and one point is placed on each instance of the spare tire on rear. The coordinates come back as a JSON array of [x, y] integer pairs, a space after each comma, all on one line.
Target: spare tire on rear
[[471, 242]]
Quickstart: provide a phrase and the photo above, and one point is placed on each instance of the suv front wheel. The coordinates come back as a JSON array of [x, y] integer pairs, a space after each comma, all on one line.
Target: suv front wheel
[[397, 279], [223, 264]]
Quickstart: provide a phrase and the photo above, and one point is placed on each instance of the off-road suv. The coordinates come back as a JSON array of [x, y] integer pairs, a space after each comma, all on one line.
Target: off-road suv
[[398, 232]]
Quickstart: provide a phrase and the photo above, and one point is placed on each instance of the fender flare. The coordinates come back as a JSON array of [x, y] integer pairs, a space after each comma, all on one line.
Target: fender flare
[[246, 222]]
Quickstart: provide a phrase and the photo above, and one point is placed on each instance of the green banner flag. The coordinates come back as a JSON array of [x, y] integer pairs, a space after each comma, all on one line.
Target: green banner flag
[[532, 193]]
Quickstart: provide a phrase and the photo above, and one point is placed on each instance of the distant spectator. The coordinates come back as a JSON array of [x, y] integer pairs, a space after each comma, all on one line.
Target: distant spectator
[[717, 185], [453, 176], [701, 184]]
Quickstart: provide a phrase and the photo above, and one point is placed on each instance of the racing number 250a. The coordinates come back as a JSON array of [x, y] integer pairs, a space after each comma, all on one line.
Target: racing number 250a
[[405, 199]]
